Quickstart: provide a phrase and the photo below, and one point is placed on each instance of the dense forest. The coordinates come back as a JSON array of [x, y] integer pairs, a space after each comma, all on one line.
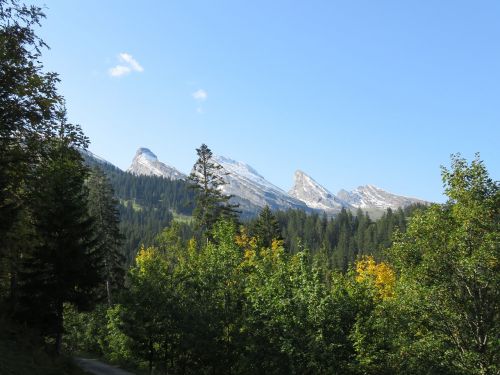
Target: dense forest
[[162, 276]]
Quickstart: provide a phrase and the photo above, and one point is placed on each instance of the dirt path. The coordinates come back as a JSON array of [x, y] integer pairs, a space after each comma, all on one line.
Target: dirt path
[[95, 367]]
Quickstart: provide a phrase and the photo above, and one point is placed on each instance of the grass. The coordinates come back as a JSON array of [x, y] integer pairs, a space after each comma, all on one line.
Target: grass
[[182, 218], [136, 207]]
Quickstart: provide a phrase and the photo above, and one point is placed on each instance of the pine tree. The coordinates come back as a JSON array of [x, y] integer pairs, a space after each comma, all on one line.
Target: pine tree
[[64, 264], [103, 209], [207, 180], [267, 228]]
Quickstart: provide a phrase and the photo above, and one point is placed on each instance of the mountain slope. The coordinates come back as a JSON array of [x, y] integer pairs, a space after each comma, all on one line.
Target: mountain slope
[[94, 160], [372, 197], [251, 190], [314, 195], [146, 163]]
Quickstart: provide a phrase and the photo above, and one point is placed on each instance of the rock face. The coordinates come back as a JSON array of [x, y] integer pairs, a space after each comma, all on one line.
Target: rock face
[[251, 190], [314, 195], [146, 163], [372, 197]]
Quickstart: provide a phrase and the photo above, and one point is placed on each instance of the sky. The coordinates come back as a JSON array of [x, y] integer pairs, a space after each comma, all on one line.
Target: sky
[[350, 92]]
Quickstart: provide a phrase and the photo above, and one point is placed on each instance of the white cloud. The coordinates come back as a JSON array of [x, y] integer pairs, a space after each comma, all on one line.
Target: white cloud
[[126, 58], [127, 66], [200, 95], [119, 70]]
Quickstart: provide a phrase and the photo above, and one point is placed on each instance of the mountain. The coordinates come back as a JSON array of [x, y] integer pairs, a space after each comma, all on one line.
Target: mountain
[[369, 198], [314, 195], [92, 159], [252, 191], [249, 189], [146, 163], [372, 197]]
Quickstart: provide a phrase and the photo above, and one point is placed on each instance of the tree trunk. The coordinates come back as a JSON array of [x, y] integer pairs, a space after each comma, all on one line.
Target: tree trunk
[[150, 356], [59, 329], [108, 292], [13, 287]]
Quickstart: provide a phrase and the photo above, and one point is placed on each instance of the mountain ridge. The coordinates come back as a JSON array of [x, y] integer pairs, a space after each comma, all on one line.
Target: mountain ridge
[[252, 191]]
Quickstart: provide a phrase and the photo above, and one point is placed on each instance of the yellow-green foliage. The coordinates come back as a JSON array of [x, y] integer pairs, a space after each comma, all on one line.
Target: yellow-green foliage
[[379, 275]]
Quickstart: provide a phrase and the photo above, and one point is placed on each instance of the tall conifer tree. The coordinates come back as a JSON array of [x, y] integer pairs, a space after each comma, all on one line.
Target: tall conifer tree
[[103, 209], [267, 228], [207, 179], [64, 264]]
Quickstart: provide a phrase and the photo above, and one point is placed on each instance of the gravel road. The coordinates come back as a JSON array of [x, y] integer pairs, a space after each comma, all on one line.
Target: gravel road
[[95, 367]]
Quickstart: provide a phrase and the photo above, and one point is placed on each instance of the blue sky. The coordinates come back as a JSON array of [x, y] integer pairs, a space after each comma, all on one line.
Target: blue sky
[[351, 92]]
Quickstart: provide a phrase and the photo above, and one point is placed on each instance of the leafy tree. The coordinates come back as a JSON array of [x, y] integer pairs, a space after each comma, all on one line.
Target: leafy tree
[[145, 313], [207, 180], [30, 111], [449, 265], [297, 324], [103, 209]]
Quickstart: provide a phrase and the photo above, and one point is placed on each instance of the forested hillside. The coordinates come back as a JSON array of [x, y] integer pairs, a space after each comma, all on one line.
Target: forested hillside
[[147, 204]]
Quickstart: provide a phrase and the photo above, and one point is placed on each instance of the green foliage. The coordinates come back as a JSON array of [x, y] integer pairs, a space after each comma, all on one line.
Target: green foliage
[[97, 332], [147, 205], [64, 263], [341, 239], [266, 228], [449, 263], [235, 305], [32, 114], [103, 209], [207, 179], [28, 100], [51, 253], [230, 307]]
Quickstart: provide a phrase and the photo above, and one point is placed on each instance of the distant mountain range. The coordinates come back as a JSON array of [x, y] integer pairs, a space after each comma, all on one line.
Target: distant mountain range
[[252, 191]]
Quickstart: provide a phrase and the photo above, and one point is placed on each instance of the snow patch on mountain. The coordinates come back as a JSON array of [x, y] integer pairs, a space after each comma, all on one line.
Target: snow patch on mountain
[[243, 181], [373, 197]]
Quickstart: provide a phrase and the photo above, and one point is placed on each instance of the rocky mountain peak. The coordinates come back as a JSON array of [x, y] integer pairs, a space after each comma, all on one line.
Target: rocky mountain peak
[[314, 195], [146, 153], [145, 162]]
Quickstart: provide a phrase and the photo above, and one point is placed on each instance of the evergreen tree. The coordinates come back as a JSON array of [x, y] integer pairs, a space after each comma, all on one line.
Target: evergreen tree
[[103, 209], [29, 107], [267, 228], [64, 265], [207, 180]]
